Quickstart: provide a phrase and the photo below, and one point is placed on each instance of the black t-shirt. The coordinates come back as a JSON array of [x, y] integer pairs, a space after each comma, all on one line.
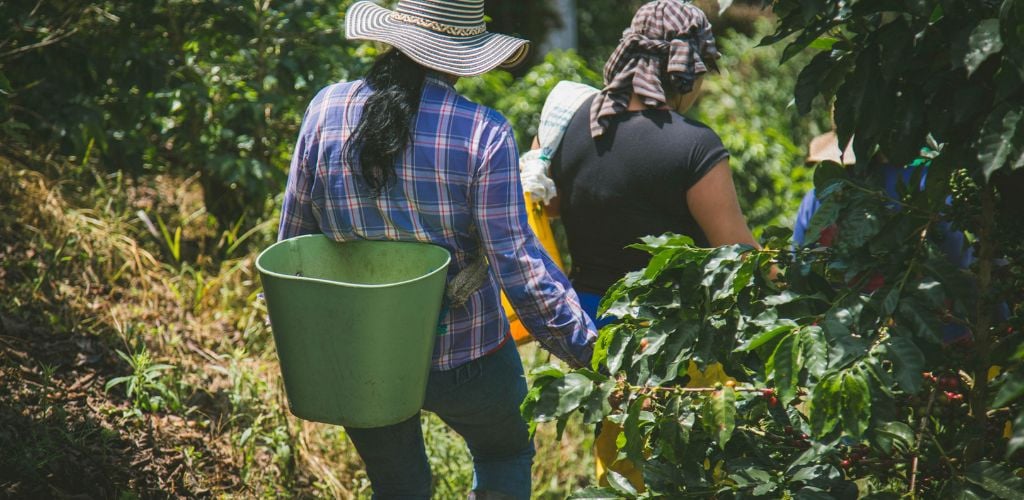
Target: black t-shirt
[[629, 183]]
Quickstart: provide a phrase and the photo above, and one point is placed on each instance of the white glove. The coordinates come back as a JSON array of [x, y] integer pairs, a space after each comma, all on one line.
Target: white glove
[[533, 170]]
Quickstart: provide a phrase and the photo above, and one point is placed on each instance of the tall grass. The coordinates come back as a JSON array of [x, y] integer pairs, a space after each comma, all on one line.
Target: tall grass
[[179, 300]]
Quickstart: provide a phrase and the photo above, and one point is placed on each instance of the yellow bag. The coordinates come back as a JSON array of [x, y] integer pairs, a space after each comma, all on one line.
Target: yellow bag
[[542, 228]]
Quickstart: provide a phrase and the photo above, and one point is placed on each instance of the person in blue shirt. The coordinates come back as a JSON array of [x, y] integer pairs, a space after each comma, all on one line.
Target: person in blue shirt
[[825, 147]]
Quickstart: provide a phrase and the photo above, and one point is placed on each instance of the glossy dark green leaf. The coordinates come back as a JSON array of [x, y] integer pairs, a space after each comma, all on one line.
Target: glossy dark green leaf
[[997, 479], [619, 348], [571, 391], [1012, 390], [596, 406], [908, 362], [918, 317], [720, 413], [892, 299], [859, 225], [893, 437], [983, 43], [812, 493], [764, 488], [600, 353], [882, 495], [594, 493], [808, 83], [621, 485], [996, 147], [546, 371], [826, 400], [782, 365], [815, 352], [1016, 442], [856, 402], [826, 215], [630, 441], [828, 173], [763, 338]]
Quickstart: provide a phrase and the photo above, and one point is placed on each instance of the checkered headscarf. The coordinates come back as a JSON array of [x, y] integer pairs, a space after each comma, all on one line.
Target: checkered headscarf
[[670, 44]]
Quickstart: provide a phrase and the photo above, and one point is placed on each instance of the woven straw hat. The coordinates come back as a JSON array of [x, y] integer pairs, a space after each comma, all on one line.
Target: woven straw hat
[[449, 36]]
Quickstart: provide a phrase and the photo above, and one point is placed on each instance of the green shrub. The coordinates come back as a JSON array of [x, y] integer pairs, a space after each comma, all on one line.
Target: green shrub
[[211, 87]]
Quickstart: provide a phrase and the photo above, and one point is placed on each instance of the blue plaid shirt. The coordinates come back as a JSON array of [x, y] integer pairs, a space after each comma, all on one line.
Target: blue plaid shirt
[[458, 187]]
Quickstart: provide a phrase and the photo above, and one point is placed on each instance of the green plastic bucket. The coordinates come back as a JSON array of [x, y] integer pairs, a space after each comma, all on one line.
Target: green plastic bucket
[[354, 324]]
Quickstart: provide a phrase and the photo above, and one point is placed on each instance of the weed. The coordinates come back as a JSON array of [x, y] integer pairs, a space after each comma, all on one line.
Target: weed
[[146, 386]]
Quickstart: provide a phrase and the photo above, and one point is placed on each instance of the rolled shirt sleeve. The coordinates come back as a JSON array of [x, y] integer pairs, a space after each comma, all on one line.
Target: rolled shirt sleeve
[[537, 289]]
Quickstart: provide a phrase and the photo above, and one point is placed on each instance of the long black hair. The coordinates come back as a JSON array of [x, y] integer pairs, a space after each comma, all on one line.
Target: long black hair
[[386, 123]]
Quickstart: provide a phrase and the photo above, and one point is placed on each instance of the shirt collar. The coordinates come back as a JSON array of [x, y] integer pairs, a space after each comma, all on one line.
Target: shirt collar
[[438, 79]]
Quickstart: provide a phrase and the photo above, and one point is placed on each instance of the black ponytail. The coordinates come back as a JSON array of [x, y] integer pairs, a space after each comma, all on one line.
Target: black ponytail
[[386, 123]]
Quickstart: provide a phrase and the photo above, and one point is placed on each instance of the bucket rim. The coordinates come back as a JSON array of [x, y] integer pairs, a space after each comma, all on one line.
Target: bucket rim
[[262, 270]]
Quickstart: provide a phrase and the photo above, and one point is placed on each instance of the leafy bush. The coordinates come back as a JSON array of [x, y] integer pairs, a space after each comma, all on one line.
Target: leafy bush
[[846, 381], [211, 87]]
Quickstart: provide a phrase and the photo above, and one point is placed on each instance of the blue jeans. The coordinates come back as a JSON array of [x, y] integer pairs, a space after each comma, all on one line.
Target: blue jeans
[[480, 401]]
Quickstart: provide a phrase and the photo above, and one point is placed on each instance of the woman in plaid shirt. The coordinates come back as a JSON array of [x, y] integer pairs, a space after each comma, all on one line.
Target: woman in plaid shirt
[[400, 155]]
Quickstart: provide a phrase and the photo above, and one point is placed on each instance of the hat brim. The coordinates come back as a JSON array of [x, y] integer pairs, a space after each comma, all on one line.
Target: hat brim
[[456, 55]]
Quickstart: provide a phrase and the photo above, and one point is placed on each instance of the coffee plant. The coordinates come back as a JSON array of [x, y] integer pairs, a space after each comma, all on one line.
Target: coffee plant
[[884, 359]]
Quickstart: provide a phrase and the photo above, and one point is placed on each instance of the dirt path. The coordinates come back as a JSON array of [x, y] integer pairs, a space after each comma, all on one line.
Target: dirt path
[[63, 436]]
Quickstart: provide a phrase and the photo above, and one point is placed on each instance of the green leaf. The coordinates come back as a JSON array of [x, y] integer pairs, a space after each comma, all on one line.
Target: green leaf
[[571, 390], [815, 453], [995, 144], [764, 489], [720, 412], [815, 351], [782, 364], [856, 402], [963, 492], [914, 315], [763, 338], [114, 382], [824, 43], [1013, 389], [594, 493], [908, 361], [828, 174], [826, 215], [894, 437], [596, 405], [620, 484], [1016, 442], [812, 493], [630, 441], [826, 399], [892, 299], [619, 348], [808, 83], [604, 340], [984, 42], [546, 371], [860, 224], [996, 479]]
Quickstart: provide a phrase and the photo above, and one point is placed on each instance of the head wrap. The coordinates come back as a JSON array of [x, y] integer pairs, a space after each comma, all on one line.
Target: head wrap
[[669, 43]]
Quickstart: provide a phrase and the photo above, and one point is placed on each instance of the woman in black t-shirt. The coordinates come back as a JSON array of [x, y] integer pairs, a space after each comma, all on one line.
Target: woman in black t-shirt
[[630, 164]]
